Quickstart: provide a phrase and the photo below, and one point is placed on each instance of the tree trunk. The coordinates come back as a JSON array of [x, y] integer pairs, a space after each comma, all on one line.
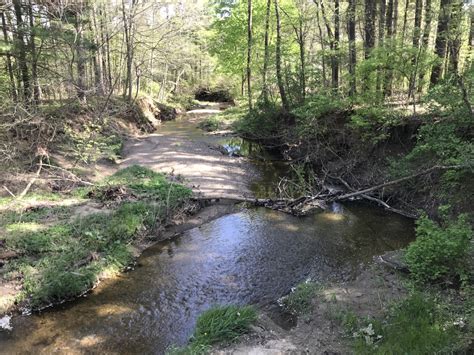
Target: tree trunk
[[441, 41], [21, 57], [81, 59], [455, 35], [380, 72], [405, 19], [369, 28], [389, 26], [425, 39], [323, 46], [34, 58], [249, 53], [98, 60], [266, 58], [13, 92], [281, 85], [351, 34], [416, 44], [127, 26], [335, 69], [332, 44]]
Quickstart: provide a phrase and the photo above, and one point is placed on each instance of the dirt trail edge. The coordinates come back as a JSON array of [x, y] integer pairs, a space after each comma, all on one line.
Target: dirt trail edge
[[180, 148]]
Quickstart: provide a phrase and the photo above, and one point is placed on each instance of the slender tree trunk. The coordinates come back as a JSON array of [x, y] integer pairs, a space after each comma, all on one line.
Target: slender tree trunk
[[380, 72], [351, 34], [13, 92], [266, 58], [425, 39], [416, 44], [441, 40], [335, 70], [281, 85], [21, 56], [34, 58], [80, 58], [249, 53], [369, 27], [389, 25], [323, 46], [98, 61], [405, 20], [395, 18], [455, 35], [332, 45], [127, 27]]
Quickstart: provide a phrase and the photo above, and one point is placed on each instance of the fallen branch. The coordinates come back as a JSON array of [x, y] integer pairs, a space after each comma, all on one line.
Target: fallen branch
[[394, 182], [32, 181]]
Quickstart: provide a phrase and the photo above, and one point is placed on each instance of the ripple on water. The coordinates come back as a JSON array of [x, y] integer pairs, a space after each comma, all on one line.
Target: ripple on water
[[254, 256]]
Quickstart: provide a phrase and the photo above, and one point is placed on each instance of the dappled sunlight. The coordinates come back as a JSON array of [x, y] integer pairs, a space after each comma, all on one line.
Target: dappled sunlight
[[335, 217], [25, 227]]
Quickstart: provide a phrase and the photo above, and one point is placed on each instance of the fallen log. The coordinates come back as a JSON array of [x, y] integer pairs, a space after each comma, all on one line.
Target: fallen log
[[304, 205]]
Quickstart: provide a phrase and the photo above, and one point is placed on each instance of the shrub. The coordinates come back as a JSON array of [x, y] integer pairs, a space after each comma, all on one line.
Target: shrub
[[416, 325], [440, 252], [299, 300], [223, 323]]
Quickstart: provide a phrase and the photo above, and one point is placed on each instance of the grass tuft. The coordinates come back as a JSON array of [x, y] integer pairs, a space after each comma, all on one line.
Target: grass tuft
[[223, 323], [299, 301]]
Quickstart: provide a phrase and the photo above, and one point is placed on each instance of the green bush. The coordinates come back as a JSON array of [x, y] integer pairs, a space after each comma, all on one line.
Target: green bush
[[417, 325], [440, 252], [223, 323], [299, 300]]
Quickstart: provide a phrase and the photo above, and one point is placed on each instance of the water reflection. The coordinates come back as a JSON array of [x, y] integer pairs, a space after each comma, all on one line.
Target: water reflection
[[254, 256]]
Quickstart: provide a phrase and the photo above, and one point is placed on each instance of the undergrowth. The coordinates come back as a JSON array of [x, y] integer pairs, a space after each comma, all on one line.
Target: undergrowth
[[59, 256], [219, 324], [417, 325], [299, 301]]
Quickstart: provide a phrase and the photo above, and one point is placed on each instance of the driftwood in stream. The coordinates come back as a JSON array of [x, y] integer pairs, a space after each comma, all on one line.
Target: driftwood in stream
[[304, 205]]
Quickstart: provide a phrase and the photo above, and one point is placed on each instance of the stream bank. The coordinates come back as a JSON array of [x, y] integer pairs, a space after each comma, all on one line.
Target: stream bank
[[223, 255]]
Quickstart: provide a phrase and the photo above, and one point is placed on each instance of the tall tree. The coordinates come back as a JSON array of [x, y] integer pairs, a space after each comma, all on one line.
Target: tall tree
[[8, 56], [425, 38], [441, 41], [266, 58], [351, 34], [34, 56], [21, 48], [335, 70], [369, 28], [81, 58], [249, 52], [279, 74]]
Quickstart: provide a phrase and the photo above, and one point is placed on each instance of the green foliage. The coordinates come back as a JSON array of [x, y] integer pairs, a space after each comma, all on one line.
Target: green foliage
[[146, 184], [417, 325], [299, 301], [93, 143], [373, 122], [440, 252], [210, 124], [61, 257], [223, 323], [263, 123]]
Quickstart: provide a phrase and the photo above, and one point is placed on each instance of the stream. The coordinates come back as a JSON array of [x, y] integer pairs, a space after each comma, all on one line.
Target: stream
[[253, 256]]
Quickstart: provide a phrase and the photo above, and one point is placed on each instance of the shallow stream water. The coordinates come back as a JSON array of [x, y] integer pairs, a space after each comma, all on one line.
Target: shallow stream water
[[254, 256]]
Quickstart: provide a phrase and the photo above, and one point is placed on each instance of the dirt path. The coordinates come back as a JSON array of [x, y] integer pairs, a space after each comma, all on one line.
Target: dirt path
[[179, 147]]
